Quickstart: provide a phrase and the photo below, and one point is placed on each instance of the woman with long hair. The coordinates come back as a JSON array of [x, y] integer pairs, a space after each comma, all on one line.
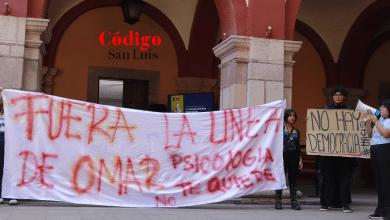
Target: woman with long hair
[[292, 158]]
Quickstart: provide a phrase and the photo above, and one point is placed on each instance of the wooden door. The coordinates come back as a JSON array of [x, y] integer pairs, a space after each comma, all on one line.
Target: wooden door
[[135, 94]]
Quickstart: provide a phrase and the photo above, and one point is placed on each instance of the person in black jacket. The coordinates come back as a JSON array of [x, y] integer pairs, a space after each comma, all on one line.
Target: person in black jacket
[[292, 158], [335, 172]]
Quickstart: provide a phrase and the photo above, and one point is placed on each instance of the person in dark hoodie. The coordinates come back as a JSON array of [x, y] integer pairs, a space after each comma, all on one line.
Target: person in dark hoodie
[[335, 172]]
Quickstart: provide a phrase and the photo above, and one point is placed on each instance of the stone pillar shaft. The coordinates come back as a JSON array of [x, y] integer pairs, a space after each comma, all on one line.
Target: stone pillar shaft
[[38, 33], [21, 50], [255, 71], [290, 48]]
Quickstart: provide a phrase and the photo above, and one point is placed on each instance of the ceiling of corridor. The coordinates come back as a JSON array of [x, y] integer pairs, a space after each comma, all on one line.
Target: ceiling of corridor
[[331, 19]]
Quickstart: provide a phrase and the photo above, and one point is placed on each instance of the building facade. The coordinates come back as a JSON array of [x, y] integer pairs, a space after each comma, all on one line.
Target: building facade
[[246, 52]]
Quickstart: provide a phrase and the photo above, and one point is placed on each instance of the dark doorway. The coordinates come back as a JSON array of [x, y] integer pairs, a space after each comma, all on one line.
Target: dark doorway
[[135, 94], [106, 86], [127, 93]]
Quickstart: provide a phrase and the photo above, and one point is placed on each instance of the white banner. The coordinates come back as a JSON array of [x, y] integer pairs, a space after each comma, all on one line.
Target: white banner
[[66, 150]]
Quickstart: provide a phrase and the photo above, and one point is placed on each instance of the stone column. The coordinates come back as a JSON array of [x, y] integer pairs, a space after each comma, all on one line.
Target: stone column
[[253, 70], [21, 50], [38, 33], [290, 48], [12, 40], [234, 55]]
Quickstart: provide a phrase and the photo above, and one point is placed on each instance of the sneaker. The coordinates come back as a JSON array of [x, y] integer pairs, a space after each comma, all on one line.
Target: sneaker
[[13, 202], [324, 208], [375, 216], [1, 200], [346, 209]]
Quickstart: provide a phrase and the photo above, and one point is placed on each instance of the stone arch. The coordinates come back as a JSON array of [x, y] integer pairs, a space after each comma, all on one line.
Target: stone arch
[[148, 9], [357, 43], [322, 49], [378, 42]]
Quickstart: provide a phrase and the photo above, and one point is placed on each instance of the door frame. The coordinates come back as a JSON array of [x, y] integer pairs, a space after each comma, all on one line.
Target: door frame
[[97, 72]]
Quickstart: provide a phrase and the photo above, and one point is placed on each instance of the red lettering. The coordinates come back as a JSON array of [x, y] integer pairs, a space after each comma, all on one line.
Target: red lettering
[[43, 167], [258, 175], [29, 113], [272, 118], [233, 159], [213, 128], [167, 133], [40, 168], [246, 181], [144, 42], [185, 186], [130, 40], [171, 201], [226, 186], [116, 40], [111, 178], [195, 190], [95, 126], [26, 154], [182, 133], [68, 118], [235, 124], [246, 159], [176, 159], [268, 176], [125, 126], [190, 165], [249, 122], [217, 158], [152, 168], [101, 38], [201, 164], [268, 156], [237, 181], [129, 169], [156, 40], [84, 159], [51, 105], [213, 185]]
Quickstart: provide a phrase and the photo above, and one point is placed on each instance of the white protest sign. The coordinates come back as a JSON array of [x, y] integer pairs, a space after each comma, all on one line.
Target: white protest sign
[[67, 150], [341, 132]]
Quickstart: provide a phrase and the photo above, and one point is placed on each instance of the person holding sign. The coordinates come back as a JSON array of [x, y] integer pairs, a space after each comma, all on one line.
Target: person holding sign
[[292, 158], [335, 172], [379, 132]]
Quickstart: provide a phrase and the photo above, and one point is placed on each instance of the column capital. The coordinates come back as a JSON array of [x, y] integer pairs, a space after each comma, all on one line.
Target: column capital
[[290, 48], [38, 32], [233, 48]]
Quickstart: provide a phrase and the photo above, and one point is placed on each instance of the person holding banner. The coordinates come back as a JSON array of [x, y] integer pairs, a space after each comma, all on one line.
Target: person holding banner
[[292, 158], [2, 129], [379, 132], [335, 172]]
